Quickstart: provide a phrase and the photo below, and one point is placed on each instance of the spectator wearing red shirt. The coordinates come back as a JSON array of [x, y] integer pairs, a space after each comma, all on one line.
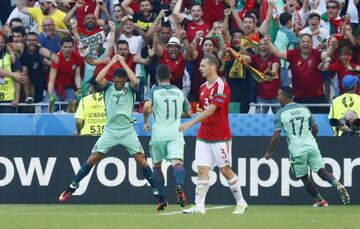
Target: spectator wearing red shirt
[[213, 11], [342, 66], [175, 59], [131, 60], [307, 80], [65, 75], [192, 26], [265, 62]]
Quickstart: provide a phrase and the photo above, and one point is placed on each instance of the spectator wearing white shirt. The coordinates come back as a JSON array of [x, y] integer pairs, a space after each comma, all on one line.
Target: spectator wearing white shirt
[[318, 33]]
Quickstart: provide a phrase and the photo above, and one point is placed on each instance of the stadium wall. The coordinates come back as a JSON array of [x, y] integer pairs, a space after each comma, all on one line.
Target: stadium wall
[[38, 169], [64, 125]]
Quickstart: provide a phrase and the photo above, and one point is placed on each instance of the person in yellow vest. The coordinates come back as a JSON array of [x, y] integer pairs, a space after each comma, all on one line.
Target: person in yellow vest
[[350, 100], [90, 114], [10, 79]]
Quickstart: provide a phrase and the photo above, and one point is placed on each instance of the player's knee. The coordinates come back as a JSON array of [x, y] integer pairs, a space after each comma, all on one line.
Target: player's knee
[[175, 162], [227, 172], [94, 158], [140, 159]]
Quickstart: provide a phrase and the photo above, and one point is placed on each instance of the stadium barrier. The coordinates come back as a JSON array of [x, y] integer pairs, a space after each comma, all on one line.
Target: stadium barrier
[[63, 124], [38, 169]]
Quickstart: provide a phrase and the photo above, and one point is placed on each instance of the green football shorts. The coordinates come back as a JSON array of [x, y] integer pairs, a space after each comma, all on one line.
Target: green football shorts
[[111, 138], [300, 164], [167, 150]]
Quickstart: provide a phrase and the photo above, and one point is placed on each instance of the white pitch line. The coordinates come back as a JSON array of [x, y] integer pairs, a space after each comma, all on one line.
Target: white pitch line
[[207, 209]]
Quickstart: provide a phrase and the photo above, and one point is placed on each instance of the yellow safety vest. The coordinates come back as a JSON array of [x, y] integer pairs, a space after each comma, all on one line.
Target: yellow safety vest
[[7, 87], [91, 109]]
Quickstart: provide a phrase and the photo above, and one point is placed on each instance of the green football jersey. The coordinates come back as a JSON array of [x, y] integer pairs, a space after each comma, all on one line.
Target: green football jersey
[[119, 106], [168, 103], [296, 120]]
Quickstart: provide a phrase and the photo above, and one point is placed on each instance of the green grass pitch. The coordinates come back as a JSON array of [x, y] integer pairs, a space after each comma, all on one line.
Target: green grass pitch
[[146, 217]]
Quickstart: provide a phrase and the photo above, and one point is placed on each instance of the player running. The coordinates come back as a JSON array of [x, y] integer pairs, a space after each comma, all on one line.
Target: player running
[[168, 104], [300, 131], [213, 144]]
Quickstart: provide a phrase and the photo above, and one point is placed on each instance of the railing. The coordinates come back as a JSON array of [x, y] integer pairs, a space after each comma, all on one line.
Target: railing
[[44, 107]]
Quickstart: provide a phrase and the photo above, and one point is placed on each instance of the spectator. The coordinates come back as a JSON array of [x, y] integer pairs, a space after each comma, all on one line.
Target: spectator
[[267, 63], [27, 21], [32, 59], [145, 18], [306, 78], [319, 34], [65, 78], [175, 59], [10, 79], [49, 38], [350, 100], [298, 16], [90, 115], [285, 40], [196, 24], [342, 66], [47, 9], [331, 19]]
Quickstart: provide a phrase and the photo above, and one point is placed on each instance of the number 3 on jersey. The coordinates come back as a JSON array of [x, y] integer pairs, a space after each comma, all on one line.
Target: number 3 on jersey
[[206, 103]]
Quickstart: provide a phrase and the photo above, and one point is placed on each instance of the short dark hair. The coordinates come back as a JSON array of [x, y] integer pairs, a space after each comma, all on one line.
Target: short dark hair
[[122, 42], [119, 72], [163, 72], [19, 29], [284, 18], [95, 85], [248, 15], [314, 14], [197, 4], [306, 35], [212, 59], [287, 92], [32, 34], [67, 39], [16, 19]]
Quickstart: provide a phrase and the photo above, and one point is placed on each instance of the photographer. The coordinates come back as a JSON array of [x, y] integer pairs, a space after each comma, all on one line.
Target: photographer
[[349, 125], [341, 105]]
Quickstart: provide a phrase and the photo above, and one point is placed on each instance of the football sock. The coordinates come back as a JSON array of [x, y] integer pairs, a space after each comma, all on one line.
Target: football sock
[[234, 185], [329, 177], [179, 174], [310, 187], [148, 174], [83, 171], [159, 182], [200, 193]]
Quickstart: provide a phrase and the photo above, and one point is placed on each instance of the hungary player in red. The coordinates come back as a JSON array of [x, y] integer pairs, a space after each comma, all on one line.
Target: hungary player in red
[[213, 144]]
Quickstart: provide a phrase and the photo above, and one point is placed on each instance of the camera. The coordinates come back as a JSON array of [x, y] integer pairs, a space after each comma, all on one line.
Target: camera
[[350, 127]]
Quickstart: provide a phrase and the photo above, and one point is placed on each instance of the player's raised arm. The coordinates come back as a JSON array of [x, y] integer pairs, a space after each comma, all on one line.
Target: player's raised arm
[[134, 81], [100, 79]]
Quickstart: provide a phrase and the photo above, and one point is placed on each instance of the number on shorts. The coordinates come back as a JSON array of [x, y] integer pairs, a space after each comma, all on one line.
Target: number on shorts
[[223, 153]]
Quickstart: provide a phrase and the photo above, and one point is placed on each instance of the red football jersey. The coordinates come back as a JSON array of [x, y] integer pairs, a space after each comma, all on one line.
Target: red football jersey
[[216, 127], [177, 68]]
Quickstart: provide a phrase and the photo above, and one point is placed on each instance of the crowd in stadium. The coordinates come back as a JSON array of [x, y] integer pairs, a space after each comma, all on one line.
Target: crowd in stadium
[[52, 48]]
